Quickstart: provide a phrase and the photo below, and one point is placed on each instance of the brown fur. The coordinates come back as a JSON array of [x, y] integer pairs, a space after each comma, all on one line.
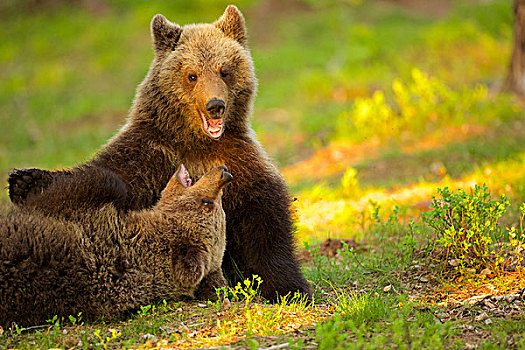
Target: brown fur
[[103, 262], [165, 128]]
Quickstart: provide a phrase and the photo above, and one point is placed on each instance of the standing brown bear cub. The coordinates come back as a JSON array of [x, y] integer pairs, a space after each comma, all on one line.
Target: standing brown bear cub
[[104, 262], [194, 107]]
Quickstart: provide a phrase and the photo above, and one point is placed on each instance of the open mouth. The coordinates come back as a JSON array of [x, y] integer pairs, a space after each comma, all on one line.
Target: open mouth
[[184, 176], [212, 127]]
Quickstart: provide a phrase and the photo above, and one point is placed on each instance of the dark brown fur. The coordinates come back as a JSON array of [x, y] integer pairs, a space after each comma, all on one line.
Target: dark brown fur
[[103, 262], [165, 128]]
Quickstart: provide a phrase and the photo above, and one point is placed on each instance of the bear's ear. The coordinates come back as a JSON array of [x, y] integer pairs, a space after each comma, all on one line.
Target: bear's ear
[[165, 34], [232, 24]]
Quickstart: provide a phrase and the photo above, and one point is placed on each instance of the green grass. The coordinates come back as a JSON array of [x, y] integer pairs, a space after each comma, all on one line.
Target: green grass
[[151, 322], [54, 71], [371, 293]]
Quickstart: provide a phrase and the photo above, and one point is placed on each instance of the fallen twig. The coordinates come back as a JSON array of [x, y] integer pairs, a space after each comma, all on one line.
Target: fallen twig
[[274, 347]]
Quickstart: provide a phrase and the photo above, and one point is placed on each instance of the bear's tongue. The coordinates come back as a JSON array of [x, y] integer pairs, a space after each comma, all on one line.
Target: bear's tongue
[[213, 127], [215, 123]]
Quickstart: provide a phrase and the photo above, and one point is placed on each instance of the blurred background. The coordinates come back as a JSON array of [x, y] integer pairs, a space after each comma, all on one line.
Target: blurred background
[[361, 103]]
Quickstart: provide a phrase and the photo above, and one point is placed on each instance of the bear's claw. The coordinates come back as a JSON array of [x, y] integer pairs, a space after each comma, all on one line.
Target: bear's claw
[[26, 182]]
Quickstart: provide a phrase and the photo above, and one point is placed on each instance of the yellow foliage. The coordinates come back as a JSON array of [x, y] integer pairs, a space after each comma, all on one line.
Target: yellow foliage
[[323, 212], [238, 320]]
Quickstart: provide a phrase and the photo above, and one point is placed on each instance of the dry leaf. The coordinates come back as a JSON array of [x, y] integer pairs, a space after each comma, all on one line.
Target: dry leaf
[[482, 317], [489, 304], [453, 262], [470, 271]]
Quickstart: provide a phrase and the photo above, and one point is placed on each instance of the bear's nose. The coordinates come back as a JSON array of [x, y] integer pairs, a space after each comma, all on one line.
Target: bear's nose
[[215, 107], [226, 176]]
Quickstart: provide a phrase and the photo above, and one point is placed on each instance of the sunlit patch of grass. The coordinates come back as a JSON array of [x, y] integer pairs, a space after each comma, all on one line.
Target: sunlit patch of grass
[[329, 161], [475, 288], [254, 320], [247, 319], [361, 308], [324, 211], [461, 148], [344, 217], [421, 106]]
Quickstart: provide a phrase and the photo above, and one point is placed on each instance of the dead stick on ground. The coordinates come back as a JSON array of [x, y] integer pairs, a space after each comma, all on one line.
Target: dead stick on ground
[[280, 346]]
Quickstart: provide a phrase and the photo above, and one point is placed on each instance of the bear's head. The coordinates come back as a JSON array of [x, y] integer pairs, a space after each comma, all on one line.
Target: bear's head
[[193, 225], [199, 201], [205, 73]]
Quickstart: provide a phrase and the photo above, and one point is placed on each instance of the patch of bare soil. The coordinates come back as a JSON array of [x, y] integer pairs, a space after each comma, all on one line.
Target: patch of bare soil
[[329, 248]]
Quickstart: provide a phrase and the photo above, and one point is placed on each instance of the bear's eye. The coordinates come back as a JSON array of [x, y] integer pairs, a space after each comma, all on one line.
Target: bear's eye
[[224, 72], [207, 202], [192, 77]]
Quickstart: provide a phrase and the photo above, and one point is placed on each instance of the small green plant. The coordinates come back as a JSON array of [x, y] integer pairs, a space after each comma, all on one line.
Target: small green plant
[[146, 310], [408, 245], [516, 240], [467, 229], [361, 308], [56, 322], [18, 330], [397, 215], [163, 306], [74, 319], [222, 293], [375, 207], [248, 289], [105, 341]]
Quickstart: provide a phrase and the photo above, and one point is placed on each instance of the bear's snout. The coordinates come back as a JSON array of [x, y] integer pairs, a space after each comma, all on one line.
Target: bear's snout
[[226, 176], [215, 108]]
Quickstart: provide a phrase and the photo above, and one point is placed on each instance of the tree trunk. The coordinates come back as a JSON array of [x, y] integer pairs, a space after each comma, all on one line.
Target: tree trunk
[[515, 81]]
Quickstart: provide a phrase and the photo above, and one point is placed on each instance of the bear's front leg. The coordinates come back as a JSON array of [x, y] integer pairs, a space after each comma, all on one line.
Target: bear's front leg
[[72, 192], [260, 234], [209, 284], [24, 183]]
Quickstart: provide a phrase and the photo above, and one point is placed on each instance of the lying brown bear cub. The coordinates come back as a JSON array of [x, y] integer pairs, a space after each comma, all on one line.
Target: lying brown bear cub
[[194, 107], [105, 262]]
